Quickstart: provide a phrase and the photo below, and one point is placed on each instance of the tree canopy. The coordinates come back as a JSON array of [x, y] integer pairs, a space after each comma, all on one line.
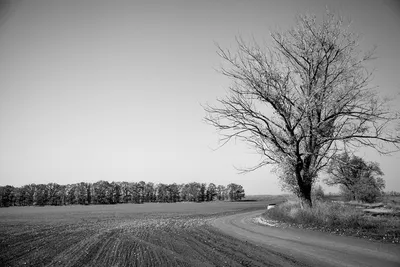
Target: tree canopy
[[302, 100], [359, 180]]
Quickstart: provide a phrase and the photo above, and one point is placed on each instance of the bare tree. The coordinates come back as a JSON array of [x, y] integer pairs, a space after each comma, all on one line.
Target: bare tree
[[302, 101]]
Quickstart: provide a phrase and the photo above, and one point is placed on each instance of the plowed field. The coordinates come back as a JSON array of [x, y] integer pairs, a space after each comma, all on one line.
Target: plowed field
[[128, 235]]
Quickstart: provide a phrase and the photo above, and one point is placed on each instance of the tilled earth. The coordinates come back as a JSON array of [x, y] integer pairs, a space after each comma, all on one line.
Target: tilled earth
[[115, 239]]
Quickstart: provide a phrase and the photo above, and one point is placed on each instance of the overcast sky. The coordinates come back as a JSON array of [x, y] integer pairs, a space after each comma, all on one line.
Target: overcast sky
[[111, 90]]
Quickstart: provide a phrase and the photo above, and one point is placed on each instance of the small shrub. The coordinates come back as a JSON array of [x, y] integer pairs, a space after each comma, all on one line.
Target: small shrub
[[318, 193], [370, 194], [285, 212], [293, 213], [346, 194], [309, 217]]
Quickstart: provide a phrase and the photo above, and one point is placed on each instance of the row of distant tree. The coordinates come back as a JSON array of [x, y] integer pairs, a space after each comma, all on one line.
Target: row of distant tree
[[103, 192], [392, 193]]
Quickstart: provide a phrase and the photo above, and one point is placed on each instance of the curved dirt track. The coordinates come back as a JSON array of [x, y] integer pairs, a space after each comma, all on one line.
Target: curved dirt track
[[309, 247]]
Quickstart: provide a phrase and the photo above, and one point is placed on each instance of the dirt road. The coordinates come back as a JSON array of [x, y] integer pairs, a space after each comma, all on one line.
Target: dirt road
[[309, 247]]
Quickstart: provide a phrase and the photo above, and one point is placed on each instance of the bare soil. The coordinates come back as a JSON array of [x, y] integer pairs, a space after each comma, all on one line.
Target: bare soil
[[128, 235]]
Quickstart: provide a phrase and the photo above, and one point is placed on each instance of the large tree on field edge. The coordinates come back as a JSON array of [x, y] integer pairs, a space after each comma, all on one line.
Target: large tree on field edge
[[303, 100]]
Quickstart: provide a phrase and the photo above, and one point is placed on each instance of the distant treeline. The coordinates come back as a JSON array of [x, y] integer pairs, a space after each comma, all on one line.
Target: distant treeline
[[103, 192], [392, 193]]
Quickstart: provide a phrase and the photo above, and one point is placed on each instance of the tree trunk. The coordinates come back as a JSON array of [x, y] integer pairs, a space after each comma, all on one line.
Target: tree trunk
[[305, 197], [304, 191], [305, 185]]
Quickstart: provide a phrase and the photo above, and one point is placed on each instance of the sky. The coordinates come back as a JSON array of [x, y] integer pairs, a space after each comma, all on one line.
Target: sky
[[112, 90]]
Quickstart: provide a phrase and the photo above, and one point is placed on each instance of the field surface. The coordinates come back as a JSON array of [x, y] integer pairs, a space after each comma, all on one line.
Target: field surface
[[178, 234], [152, 234]]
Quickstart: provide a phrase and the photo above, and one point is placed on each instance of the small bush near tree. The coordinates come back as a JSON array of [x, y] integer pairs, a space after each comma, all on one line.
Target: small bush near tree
[[317, 193]]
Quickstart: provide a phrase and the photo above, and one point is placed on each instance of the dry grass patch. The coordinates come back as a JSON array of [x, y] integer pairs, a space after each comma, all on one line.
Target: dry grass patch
[[338, 218]]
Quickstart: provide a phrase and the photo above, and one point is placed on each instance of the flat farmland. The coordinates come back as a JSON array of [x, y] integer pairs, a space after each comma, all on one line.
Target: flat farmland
[[151, 234]]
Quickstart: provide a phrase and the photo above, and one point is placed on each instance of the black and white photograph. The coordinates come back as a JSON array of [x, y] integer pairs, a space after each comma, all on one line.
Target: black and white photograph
[[188, 133]]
